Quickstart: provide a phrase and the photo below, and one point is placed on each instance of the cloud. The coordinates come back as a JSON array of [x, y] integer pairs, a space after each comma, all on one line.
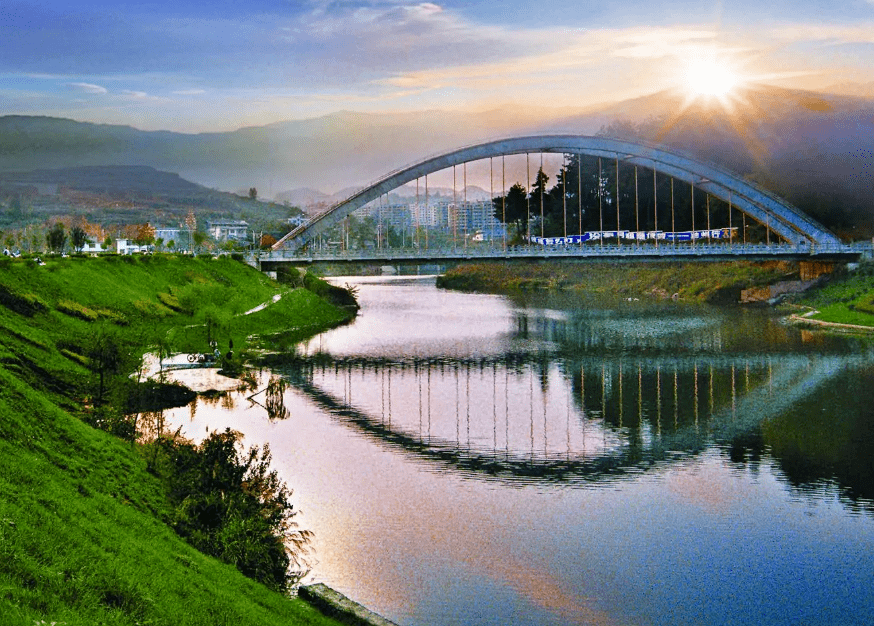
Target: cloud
[[650, 43], [580, 55], [89, 88], [831, 33], [140, 96], [395, 37], [403, 53]]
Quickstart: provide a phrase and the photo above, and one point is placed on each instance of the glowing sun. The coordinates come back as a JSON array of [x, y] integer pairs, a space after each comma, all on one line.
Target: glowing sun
[[710, 78]]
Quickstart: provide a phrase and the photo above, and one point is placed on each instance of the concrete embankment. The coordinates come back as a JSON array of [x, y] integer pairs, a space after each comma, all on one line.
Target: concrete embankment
[[772, 292], [336, 605]]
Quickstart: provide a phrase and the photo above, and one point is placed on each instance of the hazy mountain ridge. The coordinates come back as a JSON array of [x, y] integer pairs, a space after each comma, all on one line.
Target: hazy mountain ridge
[[815, 149], [112, 179], [124, 194], [307, 198]]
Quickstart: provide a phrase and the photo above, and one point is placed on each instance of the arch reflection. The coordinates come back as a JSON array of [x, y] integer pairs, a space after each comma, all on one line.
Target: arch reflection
[[544, 417]]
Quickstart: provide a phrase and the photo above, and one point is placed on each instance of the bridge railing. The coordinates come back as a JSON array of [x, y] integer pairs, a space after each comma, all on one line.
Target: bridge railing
[[666, 250]]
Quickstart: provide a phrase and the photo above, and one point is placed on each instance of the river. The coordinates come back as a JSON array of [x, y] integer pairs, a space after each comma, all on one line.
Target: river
[[481, 460]]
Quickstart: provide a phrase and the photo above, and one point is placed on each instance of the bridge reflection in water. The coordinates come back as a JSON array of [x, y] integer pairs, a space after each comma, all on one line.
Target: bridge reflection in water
[[669, 463], [538, 417]]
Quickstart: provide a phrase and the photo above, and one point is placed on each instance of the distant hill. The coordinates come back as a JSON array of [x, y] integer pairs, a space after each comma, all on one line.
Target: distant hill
[[112, 179], [307, 198], [341, 150], [814, 149], [122, 194]]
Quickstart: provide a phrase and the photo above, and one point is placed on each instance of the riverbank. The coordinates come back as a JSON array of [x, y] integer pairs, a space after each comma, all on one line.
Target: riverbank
[[700, 282], [85, 526], [844, 303]]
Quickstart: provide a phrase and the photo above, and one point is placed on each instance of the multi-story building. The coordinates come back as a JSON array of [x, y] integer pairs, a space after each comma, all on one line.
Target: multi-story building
[[478, 218], [175, 235], [223, 230]]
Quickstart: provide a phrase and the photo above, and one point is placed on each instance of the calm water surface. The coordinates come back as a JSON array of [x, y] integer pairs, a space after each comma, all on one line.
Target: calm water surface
[[473, 459]]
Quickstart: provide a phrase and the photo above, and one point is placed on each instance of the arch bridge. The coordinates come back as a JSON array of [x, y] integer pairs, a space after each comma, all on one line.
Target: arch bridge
[[784, 220]]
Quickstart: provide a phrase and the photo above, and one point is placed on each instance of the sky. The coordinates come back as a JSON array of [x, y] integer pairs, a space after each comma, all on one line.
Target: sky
[[218, 65]]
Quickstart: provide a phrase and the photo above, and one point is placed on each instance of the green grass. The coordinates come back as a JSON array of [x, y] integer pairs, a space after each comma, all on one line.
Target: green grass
[[841, 314], [845, 299], [84, 537]]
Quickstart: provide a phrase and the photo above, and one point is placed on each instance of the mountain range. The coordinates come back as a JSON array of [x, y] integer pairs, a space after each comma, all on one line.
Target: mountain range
[[815, 149]]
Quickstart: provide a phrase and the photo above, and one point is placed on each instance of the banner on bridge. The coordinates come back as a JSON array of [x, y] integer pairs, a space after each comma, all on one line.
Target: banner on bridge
[[637, 235]]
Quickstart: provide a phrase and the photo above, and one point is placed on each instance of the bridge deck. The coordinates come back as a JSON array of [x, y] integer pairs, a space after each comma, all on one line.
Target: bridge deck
[[590, 252]]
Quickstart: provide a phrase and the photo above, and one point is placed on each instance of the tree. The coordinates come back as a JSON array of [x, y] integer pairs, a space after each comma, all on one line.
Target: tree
[[15, 209], [106, 355], [78, 238], [230, 504], [145, 234], [513, 208], [253, 193], [198, 238], [56, 238], [562, 208], [191, 225], [107, 243], [540, 199]]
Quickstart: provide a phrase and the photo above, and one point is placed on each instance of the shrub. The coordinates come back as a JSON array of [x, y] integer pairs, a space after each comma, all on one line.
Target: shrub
[[288, 275], [231, 505], [333, 294], [865, 305]]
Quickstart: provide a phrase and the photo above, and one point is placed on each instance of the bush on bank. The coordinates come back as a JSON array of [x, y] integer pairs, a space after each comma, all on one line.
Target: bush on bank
[[232, 506]]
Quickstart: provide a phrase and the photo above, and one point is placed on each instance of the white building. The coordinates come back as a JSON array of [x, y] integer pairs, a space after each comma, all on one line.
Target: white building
[[92, 248], [222, 230], [127, 246]]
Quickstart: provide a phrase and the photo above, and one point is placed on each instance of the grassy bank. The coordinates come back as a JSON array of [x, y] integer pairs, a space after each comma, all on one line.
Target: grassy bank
[[848, 298], [702, 282], [85, 534]]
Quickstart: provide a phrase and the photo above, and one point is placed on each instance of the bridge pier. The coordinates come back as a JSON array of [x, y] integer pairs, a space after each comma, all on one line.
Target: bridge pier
[[811, 270]]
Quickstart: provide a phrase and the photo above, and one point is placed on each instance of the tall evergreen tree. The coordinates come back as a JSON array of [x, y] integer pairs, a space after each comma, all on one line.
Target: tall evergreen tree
[[78, 238], [539, 198], [512, 209], [56, 238]]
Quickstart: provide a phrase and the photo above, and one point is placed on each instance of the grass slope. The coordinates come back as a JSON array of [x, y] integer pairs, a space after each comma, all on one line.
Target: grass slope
[[83, 538], [846, 299]]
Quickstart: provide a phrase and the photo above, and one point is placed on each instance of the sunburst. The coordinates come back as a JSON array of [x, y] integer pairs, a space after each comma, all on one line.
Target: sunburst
[[708, 78]]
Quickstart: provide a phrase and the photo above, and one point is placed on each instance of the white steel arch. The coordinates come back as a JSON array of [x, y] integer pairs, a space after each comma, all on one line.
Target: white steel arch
[[787, 221]]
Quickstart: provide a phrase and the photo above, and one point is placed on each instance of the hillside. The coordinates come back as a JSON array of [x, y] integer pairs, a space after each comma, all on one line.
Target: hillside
[[85, 525], [125, 194]]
